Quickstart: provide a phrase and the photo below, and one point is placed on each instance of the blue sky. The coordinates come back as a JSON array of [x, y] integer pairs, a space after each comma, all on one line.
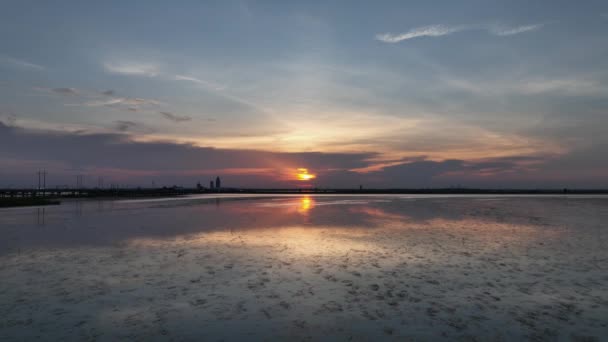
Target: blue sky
[[505, 93]]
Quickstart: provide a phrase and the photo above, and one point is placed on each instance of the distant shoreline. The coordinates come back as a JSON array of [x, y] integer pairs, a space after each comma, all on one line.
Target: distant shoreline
[[438, 191], [27, 202], [33, 197]]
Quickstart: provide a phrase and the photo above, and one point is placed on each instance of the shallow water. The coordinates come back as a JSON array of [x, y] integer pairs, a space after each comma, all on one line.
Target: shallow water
[[307, 267]]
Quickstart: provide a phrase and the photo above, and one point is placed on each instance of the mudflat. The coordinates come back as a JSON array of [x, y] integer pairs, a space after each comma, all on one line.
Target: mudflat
[[362, 268]]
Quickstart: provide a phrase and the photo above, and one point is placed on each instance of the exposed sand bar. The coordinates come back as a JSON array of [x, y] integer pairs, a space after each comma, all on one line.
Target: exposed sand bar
[[307, 268]]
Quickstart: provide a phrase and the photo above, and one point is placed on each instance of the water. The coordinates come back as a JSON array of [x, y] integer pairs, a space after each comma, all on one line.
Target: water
[[317, 267]]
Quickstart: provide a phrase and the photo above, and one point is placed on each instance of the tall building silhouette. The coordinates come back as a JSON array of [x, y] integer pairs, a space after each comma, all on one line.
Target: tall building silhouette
[[218, 182], [211, 185]]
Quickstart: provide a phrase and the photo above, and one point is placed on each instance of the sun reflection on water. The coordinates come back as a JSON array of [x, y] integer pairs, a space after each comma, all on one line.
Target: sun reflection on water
[[306, 203]]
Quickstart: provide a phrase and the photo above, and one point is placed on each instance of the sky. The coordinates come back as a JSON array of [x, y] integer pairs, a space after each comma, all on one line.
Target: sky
[[491, 94]]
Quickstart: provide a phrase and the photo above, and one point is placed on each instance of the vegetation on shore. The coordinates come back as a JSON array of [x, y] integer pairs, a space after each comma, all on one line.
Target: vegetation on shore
[[26, 201]]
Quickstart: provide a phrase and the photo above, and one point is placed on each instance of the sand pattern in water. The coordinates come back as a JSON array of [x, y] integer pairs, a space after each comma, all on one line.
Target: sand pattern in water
[[307, 268]]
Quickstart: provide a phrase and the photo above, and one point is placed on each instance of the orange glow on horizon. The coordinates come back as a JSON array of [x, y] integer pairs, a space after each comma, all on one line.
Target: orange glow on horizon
[[303, 175]]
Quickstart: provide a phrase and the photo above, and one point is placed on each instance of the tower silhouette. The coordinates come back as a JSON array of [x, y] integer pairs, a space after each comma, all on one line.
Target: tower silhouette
[[218, 182]]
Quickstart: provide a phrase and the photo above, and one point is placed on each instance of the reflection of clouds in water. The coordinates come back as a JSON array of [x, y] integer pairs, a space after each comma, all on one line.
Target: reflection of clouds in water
[[102, 223], [271, 273]]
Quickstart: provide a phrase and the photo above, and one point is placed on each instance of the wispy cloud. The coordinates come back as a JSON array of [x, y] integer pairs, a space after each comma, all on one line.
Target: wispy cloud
[[500, 30], [141, 69], [153, 70], [425, 31], [444, 30], [107, 98], [126, 101], [58, 91], [528, 86], [174, 117], [199, 81], [65, 91], [14, 62]]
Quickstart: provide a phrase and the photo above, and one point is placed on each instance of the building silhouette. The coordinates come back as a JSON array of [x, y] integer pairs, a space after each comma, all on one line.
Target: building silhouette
[[218, 183], [211, 185]]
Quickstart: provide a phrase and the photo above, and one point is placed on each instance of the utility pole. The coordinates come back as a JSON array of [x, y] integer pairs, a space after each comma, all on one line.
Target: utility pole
[[79, 181], [41, 179]]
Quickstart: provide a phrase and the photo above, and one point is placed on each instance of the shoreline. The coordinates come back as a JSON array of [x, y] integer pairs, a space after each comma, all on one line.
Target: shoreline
[[27, 202]]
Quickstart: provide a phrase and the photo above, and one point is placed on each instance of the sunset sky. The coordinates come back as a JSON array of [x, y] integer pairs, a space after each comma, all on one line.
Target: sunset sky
[[375, 93]]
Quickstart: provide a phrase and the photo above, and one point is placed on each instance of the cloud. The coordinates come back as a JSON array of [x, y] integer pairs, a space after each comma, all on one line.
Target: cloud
[[132, 104], [10, 119], [444, 30], [425, 31], [153, 70], [124, 126], [65, 91], [103, 99], [199, 81], [509, 31], [128, 126], [576, 86], [174, 117], [169, 162], [14, 62], [140, 69], [175, 163]]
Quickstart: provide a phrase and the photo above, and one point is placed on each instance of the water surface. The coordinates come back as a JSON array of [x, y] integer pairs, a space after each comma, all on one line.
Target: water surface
[[324, 267]]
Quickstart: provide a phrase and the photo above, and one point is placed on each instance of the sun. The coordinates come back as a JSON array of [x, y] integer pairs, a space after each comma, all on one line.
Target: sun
[[303, 175]]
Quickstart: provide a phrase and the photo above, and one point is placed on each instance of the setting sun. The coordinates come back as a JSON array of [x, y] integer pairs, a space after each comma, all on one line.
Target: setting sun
[[303, 175]]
